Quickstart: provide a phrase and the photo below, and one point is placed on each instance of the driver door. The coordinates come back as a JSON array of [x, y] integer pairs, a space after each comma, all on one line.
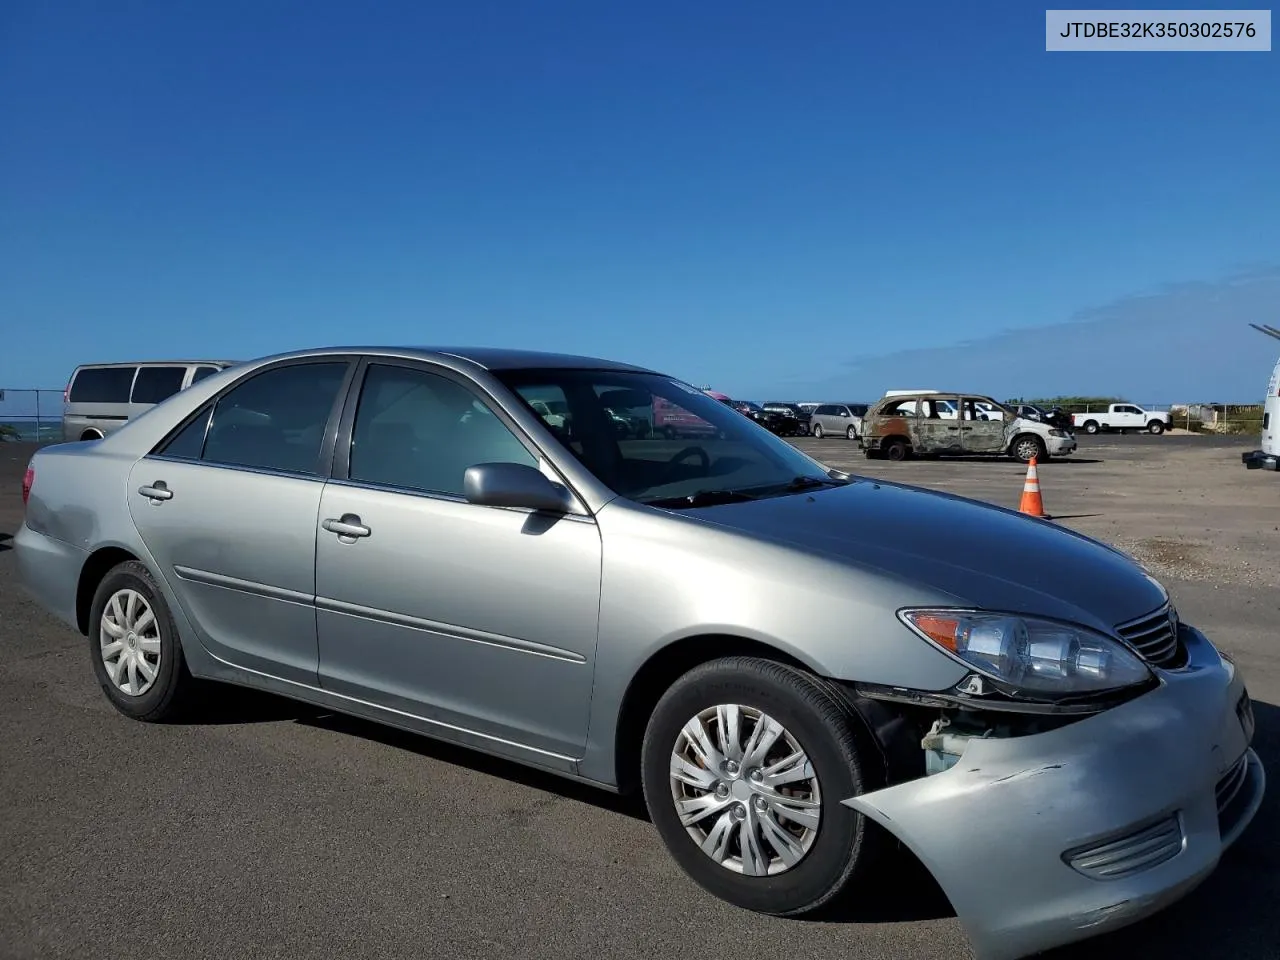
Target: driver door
[[479, 619]]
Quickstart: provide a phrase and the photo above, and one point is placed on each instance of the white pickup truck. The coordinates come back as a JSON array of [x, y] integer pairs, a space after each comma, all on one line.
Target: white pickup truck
[[1123, 417]]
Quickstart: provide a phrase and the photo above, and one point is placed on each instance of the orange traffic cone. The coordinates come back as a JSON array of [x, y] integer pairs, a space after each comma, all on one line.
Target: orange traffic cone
[[1032, 505]]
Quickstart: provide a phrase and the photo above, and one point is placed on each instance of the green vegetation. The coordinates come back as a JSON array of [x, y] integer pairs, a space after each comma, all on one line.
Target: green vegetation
[[9, 432], [1073, 404]]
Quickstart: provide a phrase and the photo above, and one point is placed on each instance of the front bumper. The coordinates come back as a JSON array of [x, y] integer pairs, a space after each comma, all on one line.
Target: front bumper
[[1257, 460], [1057, 446], [1132, 795]]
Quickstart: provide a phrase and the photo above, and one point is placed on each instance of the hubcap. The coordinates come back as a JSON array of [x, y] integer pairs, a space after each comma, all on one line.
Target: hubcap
[[1027, 449], [129, 641], [745, 790]]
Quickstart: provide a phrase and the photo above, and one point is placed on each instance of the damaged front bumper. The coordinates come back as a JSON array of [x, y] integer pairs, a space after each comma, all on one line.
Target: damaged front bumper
[[1258, 460], [1045, 839]]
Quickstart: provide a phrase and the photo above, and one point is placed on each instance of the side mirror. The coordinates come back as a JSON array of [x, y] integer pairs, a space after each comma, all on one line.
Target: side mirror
[[514, 485]]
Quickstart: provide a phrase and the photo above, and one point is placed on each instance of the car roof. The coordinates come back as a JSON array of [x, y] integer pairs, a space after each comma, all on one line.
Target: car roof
[[490, 358], [156, 363]]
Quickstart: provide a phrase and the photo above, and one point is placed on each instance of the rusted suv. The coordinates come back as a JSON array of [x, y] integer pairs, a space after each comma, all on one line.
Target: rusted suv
[[939, 424]]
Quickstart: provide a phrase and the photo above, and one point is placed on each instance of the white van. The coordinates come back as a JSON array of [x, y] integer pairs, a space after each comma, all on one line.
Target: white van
[[1268, 458], [102, 397]]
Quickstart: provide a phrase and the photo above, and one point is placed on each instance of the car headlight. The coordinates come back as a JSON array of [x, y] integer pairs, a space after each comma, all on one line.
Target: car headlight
[[1030, 656], [1058, 433]]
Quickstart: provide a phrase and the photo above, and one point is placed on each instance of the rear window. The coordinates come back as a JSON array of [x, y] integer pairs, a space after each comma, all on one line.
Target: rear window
[[202, 372], [102, 385], [157, 383]]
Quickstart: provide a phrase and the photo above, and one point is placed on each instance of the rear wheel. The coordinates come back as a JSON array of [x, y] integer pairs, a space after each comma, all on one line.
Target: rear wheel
[[1155, 426], [744, 765], [91, 435], [817, 431], [895, 449], [137, 655], [1091, 426]]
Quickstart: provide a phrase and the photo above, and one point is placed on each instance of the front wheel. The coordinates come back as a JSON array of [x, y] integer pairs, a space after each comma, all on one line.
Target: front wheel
[[744, 765], [1155, 426], [851, 433], [1028, 447]]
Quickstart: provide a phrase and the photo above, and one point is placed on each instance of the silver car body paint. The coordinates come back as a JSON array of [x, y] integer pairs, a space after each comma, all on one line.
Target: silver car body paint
[[561, 615]]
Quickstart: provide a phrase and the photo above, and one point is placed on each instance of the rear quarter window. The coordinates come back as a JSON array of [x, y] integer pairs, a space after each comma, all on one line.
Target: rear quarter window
[[102, 385]]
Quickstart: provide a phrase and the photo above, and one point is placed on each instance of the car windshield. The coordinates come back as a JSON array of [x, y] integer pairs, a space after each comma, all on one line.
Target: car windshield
[[682, 448]]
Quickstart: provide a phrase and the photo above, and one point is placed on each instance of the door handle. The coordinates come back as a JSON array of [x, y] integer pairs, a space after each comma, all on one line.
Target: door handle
[[953, 428], [348, 528], [156, 492]]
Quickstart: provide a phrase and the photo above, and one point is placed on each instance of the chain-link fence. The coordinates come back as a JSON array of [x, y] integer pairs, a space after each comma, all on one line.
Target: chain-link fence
[[31, 415]]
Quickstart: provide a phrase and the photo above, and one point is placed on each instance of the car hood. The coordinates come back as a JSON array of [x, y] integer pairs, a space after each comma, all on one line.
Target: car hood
[[975, 553]]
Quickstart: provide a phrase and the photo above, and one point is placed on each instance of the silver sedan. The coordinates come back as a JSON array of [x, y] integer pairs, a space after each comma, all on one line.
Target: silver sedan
[[795, 666]]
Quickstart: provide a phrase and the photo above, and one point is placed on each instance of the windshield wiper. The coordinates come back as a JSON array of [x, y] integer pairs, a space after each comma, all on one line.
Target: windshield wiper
[[808, 483], [703, 498]]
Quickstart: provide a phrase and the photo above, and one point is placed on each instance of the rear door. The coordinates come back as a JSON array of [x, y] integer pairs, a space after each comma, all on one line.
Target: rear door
[[155, 383], [979, 436], [228, 507], [933, 431]]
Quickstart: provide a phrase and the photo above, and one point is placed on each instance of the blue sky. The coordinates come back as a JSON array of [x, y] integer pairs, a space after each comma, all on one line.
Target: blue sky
[[774, 199]]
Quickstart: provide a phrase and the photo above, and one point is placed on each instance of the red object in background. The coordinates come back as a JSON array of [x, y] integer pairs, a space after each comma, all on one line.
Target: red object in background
[[27, 481]]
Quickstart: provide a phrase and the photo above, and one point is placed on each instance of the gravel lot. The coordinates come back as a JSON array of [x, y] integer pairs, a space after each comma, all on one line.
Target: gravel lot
[[272, 830]]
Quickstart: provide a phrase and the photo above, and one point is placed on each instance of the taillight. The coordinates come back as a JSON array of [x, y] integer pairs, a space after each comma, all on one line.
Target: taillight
[[27, 481]]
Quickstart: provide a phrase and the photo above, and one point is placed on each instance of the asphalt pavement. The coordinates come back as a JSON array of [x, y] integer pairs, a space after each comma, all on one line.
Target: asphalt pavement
[[269, 829]]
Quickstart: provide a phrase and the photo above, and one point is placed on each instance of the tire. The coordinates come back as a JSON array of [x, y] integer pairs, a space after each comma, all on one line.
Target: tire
[[817, 431], [851, 433], [172, 688], [1156, 427], [91, 435], [1026, 446], [895, 450], [1091, 426], [828, 859]]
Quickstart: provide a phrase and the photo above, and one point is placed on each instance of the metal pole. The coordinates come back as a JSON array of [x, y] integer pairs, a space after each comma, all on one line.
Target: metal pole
[[37, 416]]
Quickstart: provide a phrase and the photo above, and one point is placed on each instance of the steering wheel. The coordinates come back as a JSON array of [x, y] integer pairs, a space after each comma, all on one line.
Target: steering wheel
[[691, 451]]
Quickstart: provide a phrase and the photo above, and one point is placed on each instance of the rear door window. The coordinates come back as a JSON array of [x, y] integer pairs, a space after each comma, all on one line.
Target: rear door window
[[102, 385], [155, 384], [276, 420]]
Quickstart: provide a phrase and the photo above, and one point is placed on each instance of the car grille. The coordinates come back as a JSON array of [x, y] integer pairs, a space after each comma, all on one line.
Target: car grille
[[1155, 638], [1124, 856]]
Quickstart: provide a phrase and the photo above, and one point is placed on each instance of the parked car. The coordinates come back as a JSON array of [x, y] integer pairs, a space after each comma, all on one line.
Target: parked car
[[789, 410], [1122, 417], [936, 424], [838, 419], [674, 421], [1054, 416], [794, 666], [784, 424], [102, 397]]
